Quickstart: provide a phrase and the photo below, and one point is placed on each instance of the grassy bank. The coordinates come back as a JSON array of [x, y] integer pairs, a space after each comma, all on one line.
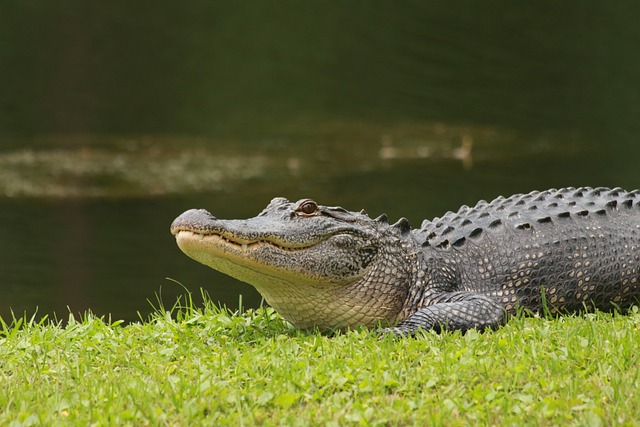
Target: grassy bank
[[209, 366]]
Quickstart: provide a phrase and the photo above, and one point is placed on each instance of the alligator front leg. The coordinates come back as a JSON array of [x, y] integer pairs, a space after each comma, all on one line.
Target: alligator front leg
[[453, 311]]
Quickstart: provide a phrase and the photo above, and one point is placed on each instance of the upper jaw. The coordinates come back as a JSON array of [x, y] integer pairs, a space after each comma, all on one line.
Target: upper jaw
[[285, 233]]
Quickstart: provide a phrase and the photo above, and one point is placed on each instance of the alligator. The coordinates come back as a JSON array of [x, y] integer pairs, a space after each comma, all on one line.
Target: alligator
[[557, 251]]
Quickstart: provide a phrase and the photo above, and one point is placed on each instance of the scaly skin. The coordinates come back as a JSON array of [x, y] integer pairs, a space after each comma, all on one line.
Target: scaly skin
[[326, 267]]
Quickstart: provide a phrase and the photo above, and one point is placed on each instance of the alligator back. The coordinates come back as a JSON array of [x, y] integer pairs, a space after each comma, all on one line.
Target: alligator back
[[578, 247]]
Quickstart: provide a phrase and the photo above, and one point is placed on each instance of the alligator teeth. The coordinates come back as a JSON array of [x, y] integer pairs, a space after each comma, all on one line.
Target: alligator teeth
[[244, 246]]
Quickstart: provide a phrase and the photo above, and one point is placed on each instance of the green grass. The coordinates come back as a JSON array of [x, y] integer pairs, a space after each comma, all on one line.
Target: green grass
[[213, 367]]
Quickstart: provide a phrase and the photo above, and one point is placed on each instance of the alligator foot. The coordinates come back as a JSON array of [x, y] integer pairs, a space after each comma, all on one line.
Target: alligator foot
[[465, 312]]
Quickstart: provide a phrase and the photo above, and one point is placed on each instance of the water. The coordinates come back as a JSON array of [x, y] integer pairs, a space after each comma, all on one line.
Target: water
[[117, 120]]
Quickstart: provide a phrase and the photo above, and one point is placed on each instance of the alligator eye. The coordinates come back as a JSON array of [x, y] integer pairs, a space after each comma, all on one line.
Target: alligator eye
[[307, 208]]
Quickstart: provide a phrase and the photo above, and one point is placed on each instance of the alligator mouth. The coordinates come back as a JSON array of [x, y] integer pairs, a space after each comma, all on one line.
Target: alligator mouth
[[237, 243], [252, 261]]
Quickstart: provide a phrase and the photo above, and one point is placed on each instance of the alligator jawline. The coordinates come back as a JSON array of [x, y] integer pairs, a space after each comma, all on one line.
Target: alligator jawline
[[244, 245]]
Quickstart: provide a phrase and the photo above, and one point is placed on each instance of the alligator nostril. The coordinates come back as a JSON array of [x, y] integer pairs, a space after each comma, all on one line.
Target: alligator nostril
[[193, 218]]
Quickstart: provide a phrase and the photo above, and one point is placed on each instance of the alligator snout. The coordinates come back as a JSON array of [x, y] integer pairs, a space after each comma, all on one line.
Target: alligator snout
[[193, 219]]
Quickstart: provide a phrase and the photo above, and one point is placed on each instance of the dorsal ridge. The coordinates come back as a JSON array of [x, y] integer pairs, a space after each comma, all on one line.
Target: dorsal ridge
[[403, 225]]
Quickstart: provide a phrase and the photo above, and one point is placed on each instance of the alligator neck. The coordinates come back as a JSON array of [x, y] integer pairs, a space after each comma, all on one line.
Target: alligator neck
[[378, 298]]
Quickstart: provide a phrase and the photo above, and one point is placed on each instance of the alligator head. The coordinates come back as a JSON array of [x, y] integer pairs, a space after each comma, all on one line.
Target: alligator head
[[318, 266]]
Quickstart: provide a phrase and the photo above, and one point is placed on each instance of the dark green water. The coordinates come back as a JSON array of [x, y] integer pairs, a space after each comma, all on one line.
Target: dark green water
[[116, 117]]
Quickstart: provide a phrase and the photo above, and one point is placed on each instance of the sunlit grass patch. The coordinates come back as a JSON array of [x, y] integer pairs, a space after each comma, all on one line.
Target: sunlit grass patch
[[209, 365]]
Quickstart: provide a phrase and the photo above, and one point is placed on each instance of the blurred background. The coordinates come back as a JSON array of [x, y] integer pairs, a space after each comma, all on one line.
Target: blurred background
[[117, 116]]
